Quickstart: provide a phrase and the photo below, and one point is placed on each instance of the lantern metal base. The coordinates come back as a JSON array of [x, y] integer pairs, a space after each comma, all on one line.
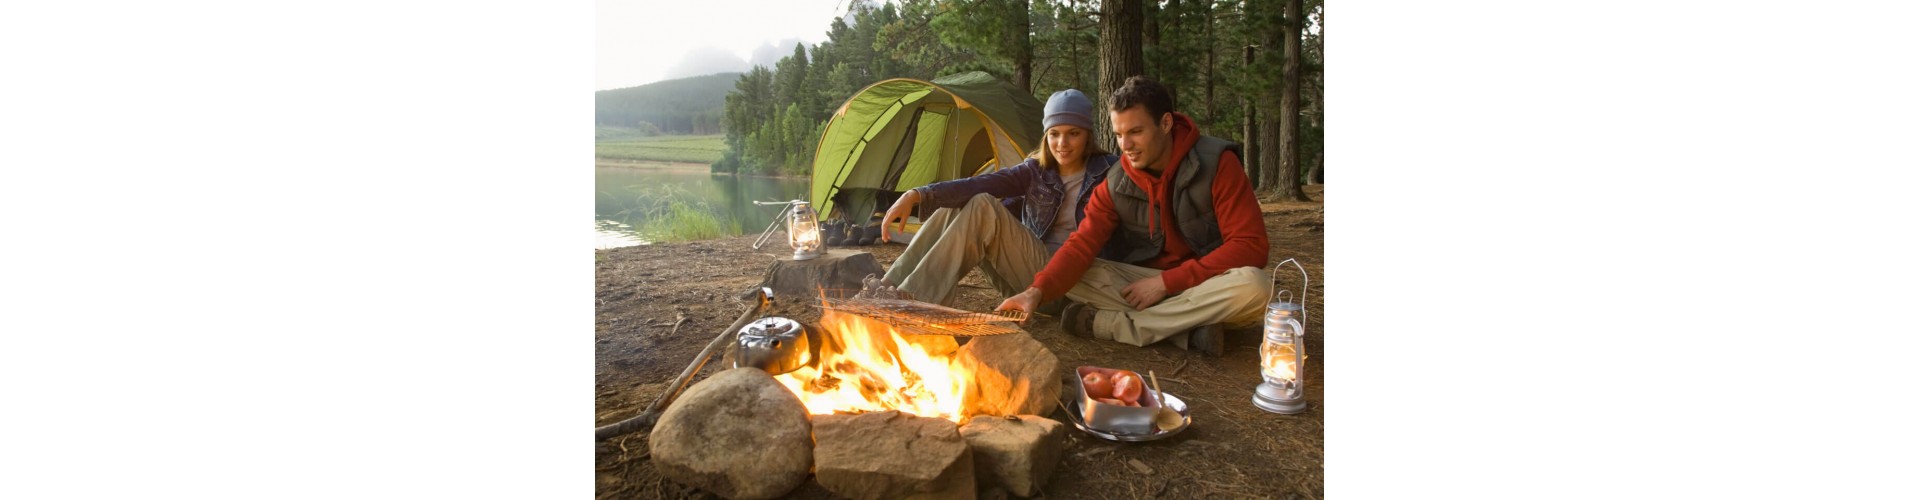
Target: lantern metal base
[[1273, 398], [806, 254]]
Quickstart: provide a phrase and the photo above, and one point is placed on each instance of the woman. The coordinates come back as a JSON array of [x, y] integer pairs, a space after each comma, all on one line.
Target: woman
[[969, 228]]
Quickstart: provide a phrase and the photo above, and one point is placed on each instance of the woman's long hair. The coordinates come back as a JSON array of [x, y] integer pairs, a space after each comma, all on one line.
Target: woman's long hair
[[1047, 160]]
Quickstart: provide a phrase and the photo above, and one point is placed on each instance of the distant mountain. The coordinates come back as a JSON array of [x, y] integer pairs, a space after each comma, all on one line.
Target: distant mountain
[[706, 61], [770, 52], [690, 105]]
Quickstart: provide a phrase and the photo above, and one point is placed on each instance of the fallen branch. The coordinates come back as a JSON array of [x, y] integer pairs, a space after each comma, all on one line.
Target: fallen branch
[[1176, 370], [645, 420]]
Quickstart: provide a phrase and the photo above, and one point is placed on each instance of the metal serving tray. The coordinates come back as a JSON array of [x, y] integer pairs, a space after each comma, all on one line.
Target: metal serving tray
[[1186, 420]]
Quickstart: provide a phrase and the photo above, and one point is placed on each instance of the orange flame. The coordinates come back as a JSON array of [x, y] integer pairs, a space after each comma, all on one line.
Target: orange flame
[[866, 365]]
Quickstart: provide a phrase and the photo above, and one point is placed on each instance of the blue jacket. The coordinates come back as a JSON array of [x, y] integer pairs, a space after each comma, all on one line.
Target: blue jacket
[[1028, 190]]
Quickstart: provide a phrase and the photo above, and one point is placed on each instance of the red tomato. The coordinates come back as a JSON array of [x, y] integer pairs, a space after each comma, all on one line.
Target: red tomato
[[1097, 384], [1127, 387], [1111, 401]]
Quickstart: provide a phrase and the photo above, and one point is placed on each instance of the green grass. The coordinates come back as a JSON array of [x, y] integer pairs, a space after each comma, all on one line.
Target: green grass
[[670, 213], [682, 222], [627, 144]]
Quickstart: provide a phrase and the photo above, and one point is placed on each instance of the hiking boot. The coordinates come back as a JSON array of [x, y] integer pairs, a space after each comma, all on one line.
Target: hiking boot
[[871, 233], [1077, 320], [1210, 340], [836, 233], [1053, 308]]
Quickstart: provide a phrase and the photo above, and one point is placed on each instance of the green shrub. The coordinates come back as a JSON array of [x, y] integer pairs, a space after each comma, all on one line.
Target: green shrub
[[682, 222], [669, 213]]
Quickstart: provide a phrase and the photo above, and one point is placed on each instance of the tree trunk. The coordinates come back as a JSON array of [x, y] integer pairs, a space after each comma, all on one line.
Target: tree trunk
[[1021, 30], [1078, 83], [1313, 170], [1172, 47], [1206, 15], [1287, 185], [1250, 129], [1120, 25], [1150, 22]]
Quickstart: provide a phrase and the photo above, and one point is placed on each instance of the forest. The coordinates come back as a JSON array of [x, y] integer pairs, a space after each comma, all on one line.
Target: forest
[[1246, 70]]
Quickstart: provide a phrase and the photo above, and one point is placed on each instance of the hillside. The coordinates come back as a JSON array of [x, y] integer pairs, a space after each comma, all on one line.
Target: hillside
[[682, 106]]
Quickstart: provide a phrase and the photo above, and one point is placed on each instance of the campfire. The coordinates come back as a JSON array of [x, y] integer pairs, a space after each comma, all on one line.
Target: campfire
[[885, 403], [866, 365]]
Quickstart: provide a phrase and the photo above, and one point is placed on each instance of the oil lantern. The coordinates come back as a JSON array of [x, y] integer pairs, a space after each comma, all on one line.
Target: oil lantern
[[803, 231], [1283, 352]]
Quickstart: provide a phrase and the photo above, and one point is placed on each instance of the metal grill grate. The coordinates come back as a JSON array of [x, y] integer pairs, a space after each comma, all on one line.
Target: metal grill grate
[[921, 318]]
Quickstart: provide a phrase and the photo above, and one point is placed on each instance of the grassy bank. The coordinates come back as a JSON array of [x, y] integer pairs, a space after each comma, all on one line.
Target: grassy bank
[[627, 144], [670, 213]]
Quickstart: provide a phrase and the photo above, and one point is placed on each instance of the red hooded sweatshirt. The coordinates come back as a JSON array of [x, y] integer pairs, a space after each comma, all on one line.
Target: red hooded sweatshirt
[[1243, 234]]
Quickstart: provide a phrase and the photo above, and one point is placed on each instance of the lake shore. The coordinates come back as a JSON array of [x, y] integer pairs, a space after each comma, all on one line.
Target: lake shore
[[675, 166], [650, 164]]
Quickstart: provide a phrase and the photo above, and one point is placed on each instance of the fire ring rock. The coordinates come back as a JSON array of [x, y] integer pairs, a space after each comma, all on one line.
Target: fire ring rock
[[739, 434], [891, 455], [1017, 453], [1013, 374]]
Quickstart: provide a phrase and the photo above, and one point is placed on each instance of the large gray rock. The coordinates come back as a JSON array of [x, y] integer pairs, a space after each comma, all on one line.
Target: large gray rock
[[1018, 454], [739, 434], [891, 455], [1013, 374], [834, 269]]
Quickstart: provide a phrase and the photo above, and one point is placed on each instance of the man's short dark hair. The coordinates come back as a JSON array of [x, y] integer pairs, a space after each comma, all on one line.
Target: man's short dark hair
[[1142, 90]]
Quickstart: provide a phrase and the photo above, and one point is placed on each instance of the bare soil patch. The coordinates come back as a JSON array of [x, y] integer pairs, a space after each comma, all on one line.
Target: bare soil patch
[[1233, 449]]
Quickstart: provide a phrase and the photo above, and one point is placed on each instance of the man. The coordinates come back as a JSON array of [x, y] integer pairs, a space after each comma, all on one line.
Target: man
[[1191, 245]]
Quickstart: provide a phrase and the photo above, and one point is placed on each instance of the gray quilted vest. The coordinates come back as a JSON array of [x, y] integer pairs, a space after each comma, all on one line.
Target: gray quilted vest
[[1191, 201]]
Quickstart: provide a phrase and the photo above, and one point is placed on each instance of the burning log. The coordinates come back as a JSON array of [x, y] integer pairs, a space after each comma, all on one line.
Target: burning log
[[865, 365]]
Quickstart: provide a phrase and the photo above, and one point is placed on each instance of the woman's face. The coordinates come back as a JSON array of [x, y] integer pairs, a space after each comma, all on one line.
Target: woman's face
[[1068, 144]]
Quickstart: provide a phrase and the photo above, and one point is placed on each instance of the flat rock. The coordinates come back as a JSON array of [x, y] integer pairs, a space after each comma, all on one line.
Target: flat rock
[[1013, 374], [891, 455], [834, 269], [1018, 454], [738, 434]]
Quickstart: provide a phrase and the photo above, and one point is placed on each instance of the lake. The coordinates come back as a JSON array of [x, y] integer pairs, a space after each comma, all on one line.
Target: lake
[[624, 198]]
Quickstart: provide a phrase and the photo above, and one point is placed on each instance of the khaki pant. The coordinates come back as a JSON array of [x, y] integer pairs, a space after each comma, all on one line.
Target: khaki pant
[[952, 242], [1237, 298], [983, 234]]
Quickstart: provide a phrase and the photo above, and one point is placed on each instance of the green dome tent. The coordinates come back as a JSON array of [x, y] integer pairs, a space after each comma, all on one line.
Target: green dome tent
[[903, 133]]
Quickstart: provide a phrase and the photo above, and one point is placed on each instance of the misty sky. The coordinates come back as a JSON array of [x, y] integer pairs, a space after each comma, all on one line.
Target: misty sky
[[643, 41]]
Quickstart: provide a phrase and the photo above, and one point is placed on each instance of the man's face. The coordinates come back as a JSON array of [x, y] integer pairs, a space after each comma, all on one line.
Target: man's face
[[1143, 139]]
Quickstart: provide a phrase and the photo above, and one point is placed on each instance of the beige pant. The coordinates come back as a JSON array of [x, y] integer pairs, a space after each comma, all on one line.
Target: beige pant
[[1237, 298], [952, 242], [982, 234]]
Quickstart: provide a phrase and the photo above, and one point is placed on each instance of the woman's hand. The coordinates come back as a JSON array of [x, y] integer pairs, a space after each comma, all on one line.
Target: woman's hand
[[901, 209]]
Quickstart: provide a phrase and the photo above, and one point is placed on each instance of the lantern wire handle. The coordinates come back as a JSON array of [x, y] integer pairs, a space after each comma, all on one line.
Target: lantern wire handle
[[786, 206], [1304, 281]]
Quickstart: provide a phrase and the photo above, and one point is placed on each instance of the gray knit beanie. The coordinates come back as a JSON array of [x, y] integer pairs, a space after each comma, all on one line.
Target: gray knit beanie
[[1068, 107]]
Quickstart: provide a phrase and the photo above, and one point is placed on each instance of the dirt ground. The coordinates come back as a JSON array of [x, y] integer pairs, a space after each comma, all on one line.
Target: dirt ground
[[1233, 449]]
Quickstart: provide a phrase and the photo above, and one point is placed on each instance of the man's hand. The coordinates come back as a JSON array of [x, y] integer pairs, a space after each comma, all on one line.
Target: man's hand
[[1025, 301], [1145, 293], [901, 209]]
